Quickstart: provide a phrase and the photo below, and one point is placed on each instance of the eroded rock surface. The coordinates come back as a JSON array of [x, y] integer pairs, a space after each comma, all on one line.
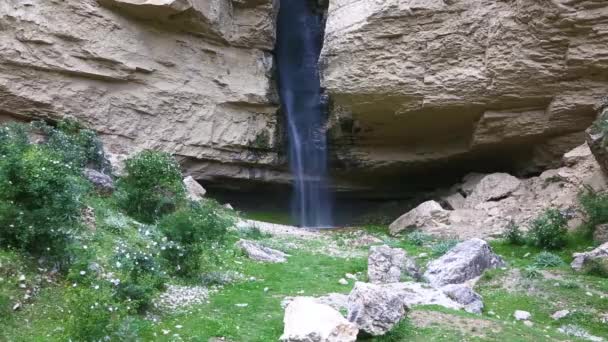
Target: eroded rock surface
[[387, 265], [194, 190], [376, 309], [259, 252], [417, 217], [416, 82], [464, 295]]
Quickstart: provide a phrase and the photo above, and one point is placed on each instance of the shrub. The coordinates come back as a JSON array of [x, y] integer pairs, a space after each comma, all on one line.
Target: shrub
[[417, 238], [547, 259], [549, 230], [442, 247], [595, 206], [152, 187], [93, 313], [597, 267], [532, 272], [253, 233], [190, 232], [40, 194], [514, 235]]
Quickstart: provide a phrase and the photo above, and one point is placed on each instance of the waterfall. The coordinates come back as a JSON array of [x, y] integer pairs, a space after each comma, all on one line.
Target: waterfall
[[299, 42]]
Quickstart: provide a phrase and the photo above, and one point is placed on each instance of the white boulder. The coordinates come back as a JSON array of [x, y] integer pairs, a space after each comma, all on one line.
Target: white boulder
[[416, 217], [194, 190], [259, 252]]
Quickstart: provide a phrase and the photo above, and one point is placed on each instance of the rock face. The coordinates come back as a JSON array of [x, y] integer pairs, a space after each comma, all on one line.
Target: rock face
[[376, 309], [581, 259], [190, 77], [386, 265], [308, 321], [195, 191], [418, 82], [258, 252], [467, 260]]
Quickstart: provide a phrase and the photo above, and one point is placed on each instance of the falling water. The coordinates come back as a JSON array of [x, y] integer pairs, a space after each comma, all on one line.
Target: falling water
[[299, 42]]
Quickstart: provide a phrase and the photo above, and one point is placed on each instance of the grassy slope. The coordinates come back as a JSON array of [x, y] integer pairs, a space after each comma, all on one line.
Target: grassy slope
[[315, 274]]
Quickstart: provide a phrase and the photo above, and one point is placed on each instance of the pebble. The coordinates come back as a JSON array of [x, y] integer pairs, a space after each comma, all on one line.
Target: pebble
[[521, 315], [423, 255], [343, 281], [350, 276], [528, 323], [560, 314], [241, 305]]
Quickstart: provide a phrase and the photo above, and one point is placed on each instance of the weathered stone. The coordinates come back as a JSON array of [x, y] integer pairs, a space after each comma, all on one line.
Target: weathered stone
[[337, 301], [102, 182], [467, 260], [416, 217], [386, 265], [194, 190], [470, 181], [308, 321], [492, 187], [577, 155], [521, 315], [595, 141], [376, 309], [203, 92], [557, 315], [454, 201], [413, 294], [464, 295], [600, 234], [460, 69], [582, 259], [259, 252]]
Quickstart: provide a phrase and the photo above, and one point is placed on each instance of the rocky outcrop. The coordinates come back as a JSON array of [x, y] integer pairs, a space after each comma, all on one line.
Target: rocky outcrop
[[417, 217], [308, 321], [417, 83], [387, 265], [467, 260], [190, 77], [103, 183], [259, 252]]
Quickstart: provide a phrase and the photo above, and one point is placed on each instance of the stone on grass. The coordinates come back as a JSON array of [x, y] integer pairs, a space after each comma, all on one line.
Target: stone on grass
[[413, 293], [386, 265], [464, 295], [337, 301], [102, 182], [417, 217], [194, 190], [560, 314], [309, 321], [343, 281], [467, 260], [493, 187], [259, 252], [582, 259], [521, 315], [376, 309]]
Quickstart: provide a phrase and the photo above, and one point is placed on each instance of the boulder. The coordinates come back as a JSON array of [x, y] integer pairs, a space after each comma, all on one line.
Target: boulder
[[102, 182], [309, 321], [376, 309], [413, 293], [194, 190], [470, 181], [521, 315], [416, 217], [577, 155], [454, 201], [464, 295], [386, 265], [337, 301], [492, 187], [467, 260], [259, 252], [582, 259], [557, 315]]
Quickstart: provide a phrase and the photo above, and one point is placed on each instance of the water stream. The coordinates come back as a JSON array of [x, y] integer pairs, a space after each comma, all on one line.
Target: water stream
[[299, 43]]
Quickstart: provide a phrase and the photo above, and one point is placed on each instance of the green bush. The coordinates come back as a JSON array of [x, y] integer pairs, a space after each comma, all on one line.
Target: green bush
[[514, 235], [191, 232], [532, 272], [549, 231], [253, 233], [93, 313], [595, 206], [417, 238], [40, 194], [5, 306], [152, 187], [442, 247], [547, 259]]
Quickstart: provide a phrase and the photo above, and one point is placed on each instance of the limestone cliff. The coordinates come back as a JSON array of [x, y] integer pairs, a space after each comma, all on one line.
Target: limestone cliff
[[425, 82], [191, 77]]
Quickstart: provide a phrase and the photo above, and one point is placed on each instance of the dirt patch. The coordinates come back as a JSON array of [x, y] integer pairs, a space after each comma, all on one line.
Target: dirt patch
[[469, 326]]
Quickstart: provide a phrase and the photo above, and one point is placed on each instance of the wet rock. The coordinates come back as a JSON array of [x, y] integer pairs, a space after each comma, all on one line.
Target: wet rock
[[416, 217], [102, 182], [194, 190], [309, 321], [259, 252], [492, 187], [521, 315], [375, 309], [467, 260], [464, 295], [582, 259], [386, 265]]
